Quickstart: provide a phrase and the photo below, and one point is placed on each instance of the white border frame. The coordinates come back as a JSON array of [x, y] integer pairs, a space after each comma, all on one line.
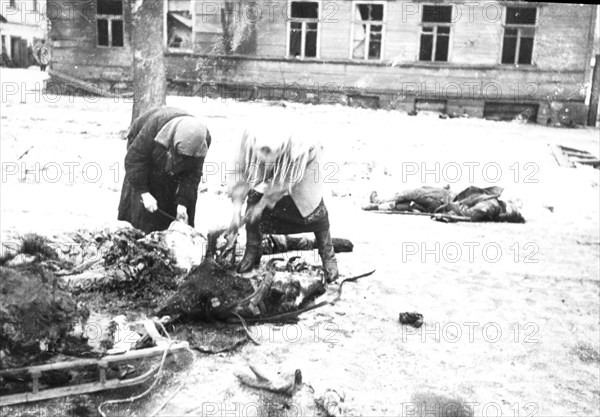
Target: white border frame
[[383, 36]]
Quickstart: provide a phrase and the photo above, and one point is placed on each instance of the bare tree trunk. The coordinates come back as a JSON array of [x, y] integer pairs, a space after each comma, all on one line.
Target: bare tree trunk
[[595, 94], [149, 75]]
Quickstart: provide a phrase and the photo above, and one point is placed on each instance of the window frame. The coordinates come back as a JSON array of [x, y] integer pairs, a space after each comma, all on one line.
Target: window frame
[[288, 32], [518, 27], [435, 26], [109, 18], [382, 23], [166, 29]]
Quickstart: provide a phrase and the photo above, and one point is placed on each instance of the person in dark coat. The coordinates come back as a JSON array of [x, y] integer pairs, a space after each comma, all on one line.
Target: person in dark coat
[[166, 148]]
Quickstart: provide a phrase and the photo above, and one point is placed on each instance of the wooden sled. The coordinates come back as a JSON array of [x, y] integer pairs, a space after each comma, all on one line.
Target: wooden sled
[[35, 372]]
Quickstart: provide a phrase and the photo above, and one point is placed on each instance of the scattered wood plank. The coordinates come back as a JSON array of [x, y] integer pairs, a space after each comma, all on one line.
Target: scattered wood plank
[[561, 159], [86, 86]]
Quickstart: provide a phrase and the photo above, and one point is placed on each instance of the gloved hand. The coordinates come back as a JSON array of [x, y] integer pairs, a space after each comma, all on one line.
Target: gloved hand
[[182, 214], [149, 202]]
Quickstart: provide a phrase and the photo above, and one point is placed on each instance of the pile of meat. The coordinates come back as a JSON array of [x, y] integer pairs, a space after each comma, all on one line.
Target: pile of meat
[[213, 292]]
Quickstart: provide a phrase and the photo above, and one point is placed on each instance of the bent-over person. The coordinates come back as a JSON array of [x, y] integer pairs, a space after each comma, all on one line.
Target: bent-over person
[[166, 148]]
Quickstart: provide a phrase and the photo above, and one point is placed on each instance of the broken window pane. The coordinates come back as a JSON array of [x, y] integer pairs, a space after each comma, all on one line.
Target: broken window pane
[[525, 51], [117, 32], [305, 10], [360, 38], [437, 14], [521, 15], [102, 32], [179, 25], [426, 49], [109, 7], [179, 30]]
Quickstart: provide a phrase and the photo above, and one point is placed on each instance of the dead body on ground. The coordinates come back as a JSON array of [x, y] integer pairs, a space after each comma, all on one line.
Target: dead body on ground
[[472, 204]]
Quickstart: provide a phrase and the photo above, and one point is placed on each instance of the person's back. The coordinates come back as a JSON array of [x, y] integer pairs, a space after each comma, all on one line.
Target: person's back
[[44, 56]]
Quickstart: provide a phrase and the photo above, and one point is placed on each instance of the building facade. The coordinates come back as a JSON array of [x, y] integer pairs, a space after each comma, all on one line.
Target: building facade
[[23, 25], [477, 58]]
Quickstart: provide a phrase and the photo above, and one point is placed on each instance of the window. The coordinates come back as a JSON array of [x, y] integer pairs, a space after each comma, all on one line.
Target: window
[[367, 31], [519, 32], [110, 22], [180, 35], [435, 33], [303, 29]]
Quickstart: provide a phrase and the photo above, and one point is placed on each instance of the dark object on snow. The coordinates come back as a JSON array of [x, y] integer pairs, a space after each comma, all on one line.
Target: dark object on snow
[[36, 317], [212, 292], [412, 319], [158, 161], [422, 199], [282, 382], [207, 293], [472, 204], [286, 243], [484, 205]]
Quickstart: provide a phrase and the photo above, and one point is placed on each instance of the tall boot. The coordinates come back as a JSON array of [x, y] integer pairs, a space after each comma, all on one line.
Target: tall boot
[[325, 247], [253, 251]]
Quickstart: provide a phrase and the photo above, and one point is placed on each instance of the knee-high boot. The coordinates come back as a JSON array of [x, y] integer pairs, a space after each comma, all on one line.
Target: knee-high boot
[[325, 247], [253, 251]]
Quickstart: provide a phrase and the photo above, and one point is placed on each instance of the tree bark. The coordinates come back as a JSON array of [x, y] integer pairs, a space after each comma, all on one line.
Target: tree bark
[[595, 94], [149, 75]]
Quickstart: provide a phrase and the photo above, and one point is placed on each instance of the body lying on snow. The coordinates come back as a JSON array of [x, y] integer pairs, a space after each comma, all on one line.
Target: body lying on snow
[[473, 203]]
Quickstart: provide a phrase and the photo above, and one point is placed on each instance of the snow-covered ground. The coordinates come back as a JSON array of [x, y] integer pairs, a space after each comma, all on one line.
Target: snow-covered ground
[[507, 307]]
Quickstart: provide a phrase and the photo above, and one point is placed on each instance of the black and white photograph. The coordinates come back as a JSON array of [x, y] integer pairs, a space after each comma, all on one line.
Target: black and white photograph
[[299, 208]]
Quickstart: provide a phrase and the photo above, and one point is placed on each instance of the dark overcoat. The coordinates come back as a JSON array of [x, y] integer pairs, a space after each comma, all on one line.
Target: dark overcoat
[[145, 171]]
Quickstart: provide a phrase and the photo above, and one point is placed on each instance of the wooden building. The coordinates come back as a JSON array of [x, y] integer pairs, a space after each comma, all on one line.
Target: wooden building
[[22, 28], [482, 59]]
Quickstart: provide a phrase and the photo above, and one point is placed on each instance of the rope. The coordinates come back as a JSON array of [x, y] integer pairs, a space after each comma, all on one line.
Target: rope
[[175, 392], [143, 394], [158, 375], [241, 319]]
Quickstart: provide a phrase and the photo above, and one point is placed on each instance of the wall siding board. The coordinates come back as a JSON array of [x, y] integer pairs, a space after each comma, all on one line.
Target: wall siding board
[[558, 72]]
